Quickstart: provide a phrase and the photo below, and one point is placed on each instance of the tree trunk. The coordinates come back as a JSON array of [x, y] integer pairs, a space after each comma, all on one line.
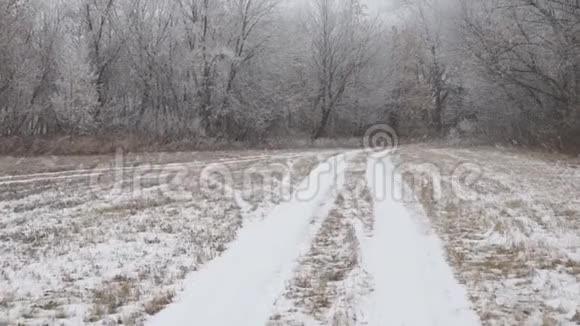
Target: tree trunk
[[319, 132], [438, 116]]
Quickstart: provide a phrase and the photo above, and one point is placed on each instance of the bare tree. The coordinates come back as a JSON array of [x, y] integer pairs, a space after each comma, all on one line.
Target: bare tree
[[242, 70], [104, 47], [530, 49], [342, 45], [247, 19]]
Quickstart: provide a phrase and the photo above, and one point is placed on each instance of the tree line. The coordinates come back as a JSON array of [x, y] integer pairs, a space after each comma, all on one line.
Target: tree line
[[251, 70]]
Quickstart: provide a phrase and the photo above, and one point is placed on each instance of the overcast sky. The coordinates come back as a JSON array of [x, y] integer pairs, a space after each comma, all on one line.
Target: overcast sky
[[385, 8]]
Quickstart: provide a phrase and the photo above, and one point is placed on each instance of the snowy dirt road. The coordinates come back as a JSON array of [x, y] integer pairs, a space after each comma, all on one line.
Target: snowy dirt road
[[240, 287], [393, 274]]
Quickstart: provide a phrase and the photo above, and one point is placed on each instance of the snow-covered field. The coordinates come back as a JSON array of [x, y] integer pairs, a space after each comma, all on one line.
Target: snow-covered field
[[513, 235], [114, 243], [291, 238]]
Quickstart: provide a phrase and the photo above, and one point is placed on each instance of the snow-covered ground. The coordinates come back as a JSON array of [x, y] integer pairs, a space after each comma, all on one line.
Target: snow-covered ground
[[329, 280], [293, 238], [381, 275], [511, 229], [413, 285], [113, 244], [245, 281]]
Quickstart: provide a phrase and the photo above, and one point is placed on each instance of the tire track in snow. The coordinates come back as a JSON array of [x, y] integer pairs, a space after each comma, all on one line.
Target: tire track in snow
[[413, 284], [240, 287], [82, 173], [328, 280]]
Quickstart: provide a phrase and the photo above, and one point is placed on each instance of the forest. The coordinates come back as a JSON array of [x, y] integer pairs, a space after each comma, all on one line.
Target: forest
[[253, 71]]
